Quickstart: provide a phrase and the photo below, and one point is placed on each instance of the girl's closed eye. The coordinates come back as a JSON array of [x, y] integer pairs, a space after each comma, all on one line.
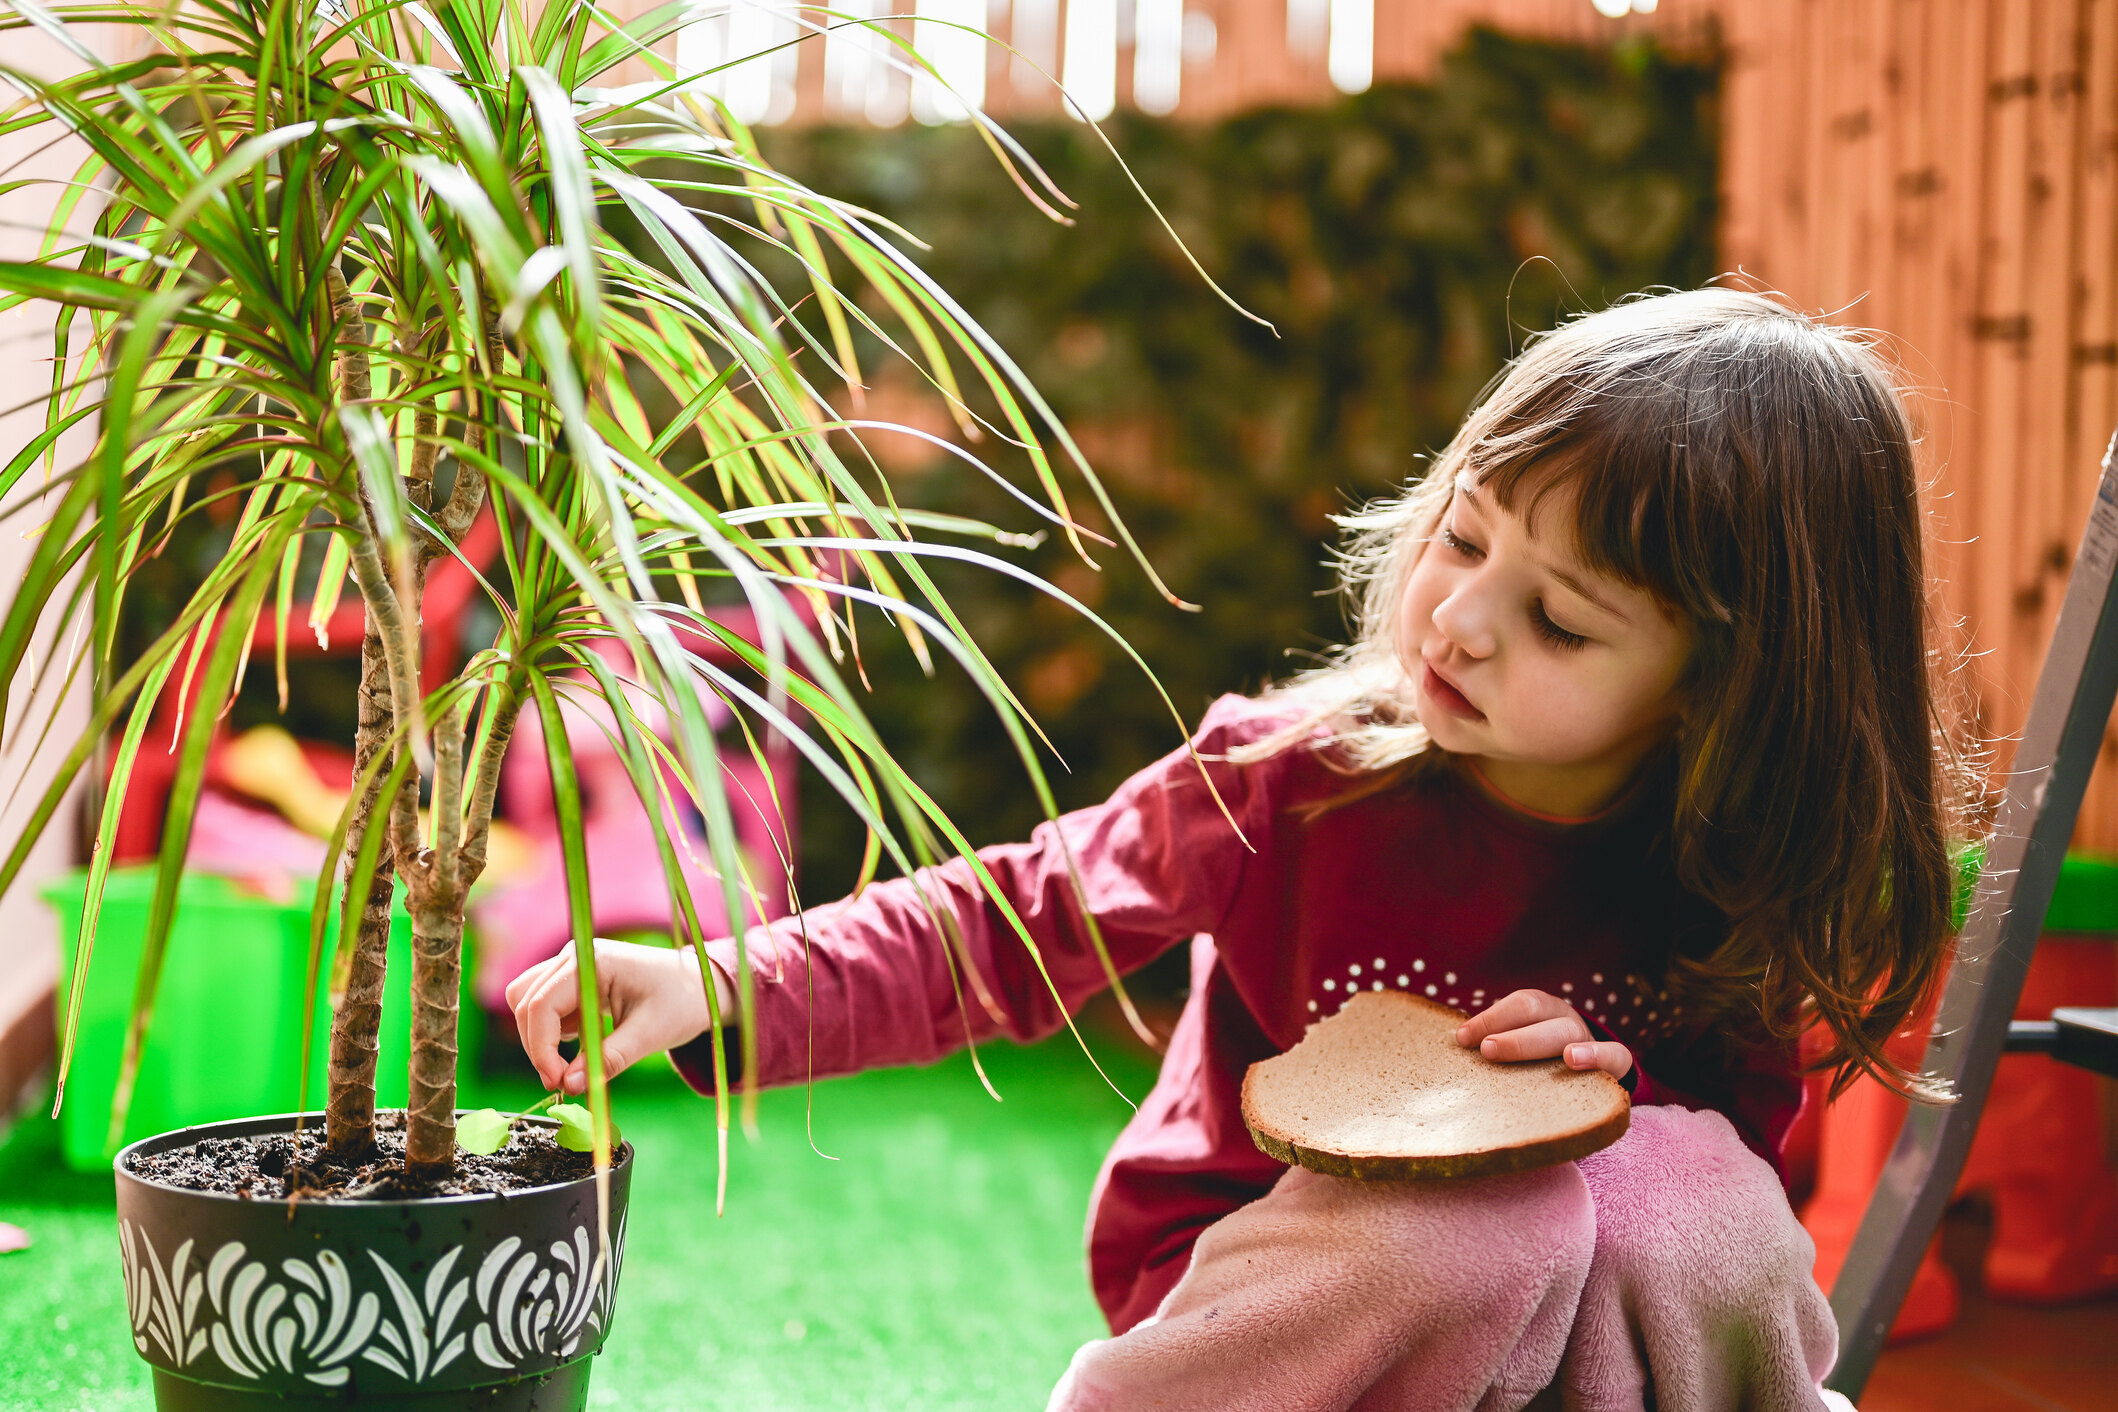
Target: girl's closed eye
[[1551, 632], [1459, 545]]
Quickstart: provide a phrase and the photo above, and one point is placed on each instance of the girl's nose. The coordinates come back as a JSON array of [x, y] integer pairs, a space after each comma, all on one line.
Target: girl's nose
[[1467, 621]]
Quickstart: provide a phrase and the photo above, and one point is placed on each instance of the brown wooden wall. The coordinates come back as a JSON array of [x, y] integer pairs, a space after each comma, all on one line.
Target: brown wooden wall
[[1947, 171]]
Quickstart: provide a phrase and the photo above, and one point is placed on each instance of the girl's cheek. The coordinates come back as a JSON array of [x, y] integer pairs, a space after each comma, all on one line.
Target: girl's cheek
[[1554, 714]]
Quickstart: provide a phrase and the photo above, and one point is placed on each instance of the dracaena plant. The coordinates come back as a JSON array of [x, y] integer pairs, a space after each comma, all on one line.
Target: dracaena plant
[[340, 267]]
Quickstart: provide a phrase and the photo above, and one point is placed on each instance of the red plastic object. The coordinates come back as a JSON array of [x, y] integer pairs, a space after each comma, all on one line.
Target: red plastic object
[[2041, 1154], [630, 898], [450, 590], [1853, 1141], [2041, 1157]]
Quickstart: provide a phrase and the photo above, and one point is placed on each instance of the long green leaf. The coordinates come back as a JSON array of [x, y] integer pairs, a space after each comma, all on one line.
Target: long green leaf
[[184, 790], [99, 869]]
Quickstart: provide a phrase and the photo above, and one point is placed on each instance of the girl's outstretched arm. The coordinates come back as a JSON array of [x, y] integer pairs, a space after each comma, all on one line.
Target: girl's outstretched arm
[[912, 968]]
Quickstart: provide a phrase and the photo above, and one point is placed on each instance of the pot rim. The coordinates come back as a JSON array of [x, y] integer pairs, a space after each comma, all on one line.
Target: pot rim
[[177, 1137]]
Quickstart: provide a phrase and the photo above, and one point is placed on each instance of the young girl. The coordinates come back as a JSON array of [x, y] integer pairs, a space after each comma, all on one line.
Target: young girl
[[1638, 761]]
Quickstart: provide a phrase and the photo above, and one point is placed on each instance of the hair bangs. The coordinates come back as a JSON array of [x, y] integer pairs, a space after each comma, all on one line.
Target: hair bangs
[[1630, 486]]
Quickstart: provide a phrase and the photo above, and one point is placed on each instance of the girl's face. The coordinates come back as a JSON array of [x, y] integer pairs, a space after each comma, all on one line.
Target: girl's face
[[1557, 680]]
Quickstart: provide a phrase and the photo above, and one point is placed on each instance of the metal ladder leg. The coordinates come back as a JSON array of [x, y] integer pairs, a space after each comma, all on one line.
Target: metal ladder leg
[[2050, 773]]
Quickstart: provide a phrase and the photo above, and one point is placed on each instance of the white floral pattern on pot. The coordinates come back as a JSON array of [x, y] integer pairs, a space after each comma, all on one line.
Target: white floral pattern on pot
[[529, 1306]]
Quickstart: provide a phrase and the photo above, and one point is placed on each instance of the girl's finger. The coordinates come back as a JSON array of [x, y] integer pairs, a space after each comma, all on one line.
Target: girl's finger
[[618, 1055], [1608, 1055], [1539, 1041], [540, 1015], [529, 980], [1512, 1012]]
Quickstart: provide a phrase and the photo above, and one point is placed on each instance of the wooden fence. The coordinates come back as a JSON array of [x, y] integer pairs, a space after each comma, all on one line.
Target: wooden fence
[[1947, 171]]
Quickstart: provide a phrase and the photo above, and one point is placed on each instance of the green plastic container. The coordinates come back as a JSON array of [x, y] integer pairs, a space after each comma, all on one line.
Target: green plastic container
[[226, 1037], [2085, 903], [2084, 900]]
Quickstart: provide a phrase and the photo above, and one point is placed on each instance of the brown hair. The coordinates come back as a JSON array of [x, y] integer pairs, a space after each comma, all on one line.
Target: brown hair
[[1754, 469]]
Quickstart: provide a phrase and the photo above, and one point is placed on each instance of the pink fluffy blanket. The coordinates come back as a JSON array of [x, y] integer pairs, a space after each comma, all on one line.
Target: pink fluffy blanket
[[1665, 1272]]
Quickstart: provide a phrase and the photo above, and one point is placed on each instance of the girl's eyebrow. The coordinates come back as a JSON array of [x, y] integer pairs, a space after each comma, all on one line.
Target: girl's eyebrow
[[1581, 587], [1469, 491]]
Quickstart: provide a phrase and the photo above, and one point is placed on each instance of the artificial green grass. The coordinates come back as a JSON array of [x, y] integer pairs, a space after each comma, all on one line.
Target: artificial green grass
[[937, 1264]]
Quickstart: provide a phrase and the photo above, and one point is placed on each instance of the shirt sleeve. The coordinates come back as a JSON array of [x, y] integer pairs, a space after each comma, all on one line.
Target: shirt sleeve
[[874, 980]]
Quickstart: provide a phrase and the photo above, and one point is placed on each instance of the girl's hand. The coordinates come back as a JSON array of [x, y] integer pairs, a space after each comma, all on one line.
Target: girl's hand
[[652, 994], [1535, 1024]]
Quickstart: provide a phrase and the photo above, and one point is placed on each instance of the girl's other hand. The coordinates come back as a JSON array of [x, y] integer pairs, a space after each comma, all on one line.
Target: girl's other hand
[[651, 993], [1535, 1024]]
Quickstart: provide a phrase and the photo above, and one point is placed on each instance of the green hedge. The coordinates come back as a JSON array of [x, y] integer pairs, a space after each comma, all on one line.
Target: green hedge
[[1401, 242]]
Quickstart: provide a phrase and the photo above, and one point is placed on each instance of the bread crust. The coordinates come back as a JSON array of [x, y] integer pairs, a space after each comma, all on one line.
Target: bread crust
[[1566, 1144]]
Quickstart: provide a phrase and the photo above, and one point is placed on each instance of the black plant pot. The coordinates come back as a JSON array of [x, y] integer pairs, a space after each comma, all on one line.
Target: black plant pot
[[489, 1302]]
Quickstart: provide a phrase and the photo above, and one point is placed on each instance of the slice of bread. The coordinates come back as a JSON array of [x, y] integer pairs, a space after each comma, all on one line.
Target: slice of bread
[[1381, 1091]]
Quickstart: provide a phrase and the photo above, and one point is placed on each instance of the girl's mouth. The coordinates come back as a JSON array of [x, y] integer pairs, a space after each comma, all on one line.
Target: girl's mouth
[[1447, 697]]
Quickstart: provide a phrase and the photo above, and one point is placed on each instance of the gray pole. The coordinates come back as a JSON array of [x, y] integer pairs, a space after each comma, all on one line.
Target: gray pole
[[2049, 774]]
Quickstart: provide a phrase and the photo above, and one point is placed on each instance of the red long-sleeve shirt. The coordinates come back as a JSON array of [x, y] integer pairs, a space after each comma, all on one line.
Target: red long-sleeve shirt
[[1433, 886]]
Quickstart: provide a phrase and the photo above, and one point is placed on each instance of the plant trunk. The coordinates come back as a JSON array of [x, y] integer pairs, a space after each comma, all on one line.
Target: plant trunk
[[349, 1122], [437, 980], [439, 881]]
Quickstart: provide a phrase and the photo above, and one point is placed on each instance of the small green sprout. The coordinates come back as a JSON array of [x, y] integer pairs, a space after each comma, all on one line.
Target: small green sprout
[[577, 1128], [484, 1131]]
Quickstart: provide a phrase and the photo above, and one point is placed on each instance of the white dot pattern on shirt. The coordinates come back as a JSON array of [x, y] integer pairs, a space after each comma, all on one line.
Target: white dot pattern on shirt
[[1633, 1024]]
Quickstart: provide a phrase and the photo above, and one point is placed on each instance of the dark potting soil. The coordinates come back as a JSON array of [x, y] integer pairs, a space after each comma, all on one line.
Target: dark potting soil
[[272, 1167]]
